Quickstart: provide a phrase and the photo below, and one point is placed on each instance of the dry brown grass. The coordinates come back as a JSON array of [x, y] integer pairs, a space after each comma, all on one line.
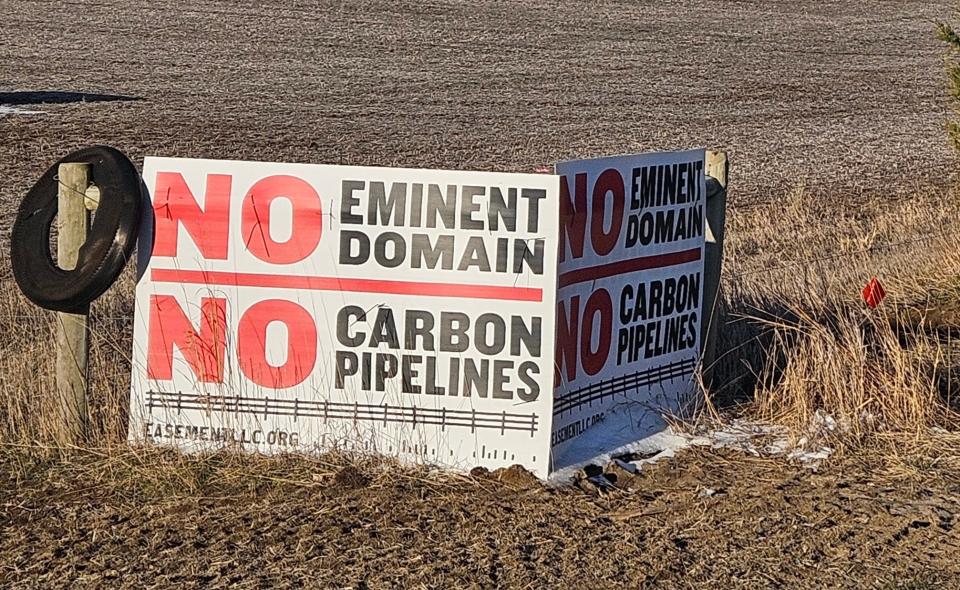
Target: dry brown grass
[[856, 369], [27, 371], [799, 339]]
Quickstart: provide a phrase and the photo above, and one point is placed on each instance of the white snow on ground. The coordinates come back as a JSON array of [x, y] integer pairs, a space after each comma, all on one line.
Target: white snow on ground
[[751, 438], [6, 109]]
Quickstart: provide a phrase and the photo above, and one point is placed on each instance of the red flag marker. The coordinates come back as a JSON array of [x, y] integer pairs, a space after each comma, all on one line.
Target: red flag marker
[[874, 293]]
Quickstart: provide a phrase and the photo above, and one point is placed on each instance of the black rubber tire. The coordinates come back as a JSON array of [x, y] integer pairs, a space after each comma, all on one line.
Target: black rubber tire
[[110, 240]]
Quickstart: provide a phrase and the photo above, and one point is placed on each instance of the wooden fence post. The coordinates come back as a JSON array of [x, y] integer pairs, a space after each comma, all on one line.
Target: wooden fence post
[[72, 334], [718, 167]]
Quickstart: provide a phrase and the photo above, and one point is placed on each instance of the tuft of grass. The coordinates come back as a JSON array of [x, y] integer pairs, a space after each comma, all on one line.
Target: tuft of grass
[[798, 340], [865, 371]]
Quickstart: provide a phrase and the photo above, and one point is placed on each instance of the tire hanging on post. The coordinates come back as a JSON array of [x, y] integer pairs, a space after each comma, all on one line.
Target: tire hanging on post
[[110, 240]]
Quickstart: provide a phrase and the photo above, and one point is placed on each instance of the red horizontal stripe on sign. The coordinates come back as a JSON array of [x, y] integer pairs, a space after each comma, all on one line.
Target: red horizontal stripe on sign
[[241, 279], [603, 271]]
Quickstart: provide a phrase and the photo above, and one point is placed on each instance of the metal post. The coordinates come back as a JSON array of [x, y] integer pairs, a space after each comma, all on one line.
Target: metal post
[[718, 167]]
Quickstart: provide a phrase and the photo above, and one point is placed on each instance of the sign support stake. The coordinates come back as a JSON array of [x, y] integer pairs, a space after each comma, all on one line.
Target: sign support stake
[[72, 333], [718, 167]]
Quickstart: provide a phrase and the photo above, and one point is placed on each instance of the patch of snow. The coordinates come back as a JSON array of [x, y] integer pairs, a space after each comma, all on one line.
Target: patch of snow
[[759, 440], [626, 466], [628, 428], [810, 456], [6, 109], [652, 448]]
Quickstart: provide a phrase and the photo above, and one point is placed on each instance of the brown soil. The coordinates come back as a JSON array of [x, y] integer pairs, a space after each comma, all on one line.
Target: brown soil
[[845, 96], [708, 519]]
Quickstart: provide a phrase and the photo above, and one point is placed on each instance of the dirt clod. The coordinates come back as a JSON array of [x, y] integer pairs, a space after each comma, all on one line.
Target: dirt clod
[[351, 478], [516, 476]]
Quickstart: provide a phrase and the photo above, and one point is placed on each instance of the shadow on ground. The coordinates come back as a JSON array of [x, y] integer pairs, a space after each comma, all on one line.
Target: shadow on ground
[[56, 97]]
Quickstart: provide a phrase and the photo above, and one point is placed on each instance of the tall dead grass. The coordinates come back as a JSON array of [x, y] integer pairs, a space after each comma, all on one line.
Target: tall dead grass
[[801, 343], [27, 369], [853, 374]]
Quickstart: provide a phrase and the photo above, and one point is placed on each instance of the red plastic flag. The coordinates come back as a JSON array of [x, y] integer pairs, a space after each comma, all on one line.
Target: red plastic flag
[[874, 293]]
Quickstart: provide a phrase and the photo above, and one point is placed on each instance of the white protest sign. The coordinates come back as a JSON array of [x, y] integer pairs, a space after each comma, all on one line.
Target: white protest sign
[[629, 300], [291, 307]]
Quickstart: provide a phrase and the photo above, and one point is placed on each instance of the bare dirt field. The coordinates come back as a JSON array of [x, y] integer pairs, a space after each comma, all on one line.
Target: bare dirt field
[[709, 519], [833, 114], [842, 93]]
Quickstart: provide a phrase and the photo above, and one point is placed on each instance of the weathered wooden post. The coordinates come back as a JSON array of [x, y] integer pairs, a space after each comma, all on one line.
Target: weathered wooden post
[[72, 333], [718, 167]]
